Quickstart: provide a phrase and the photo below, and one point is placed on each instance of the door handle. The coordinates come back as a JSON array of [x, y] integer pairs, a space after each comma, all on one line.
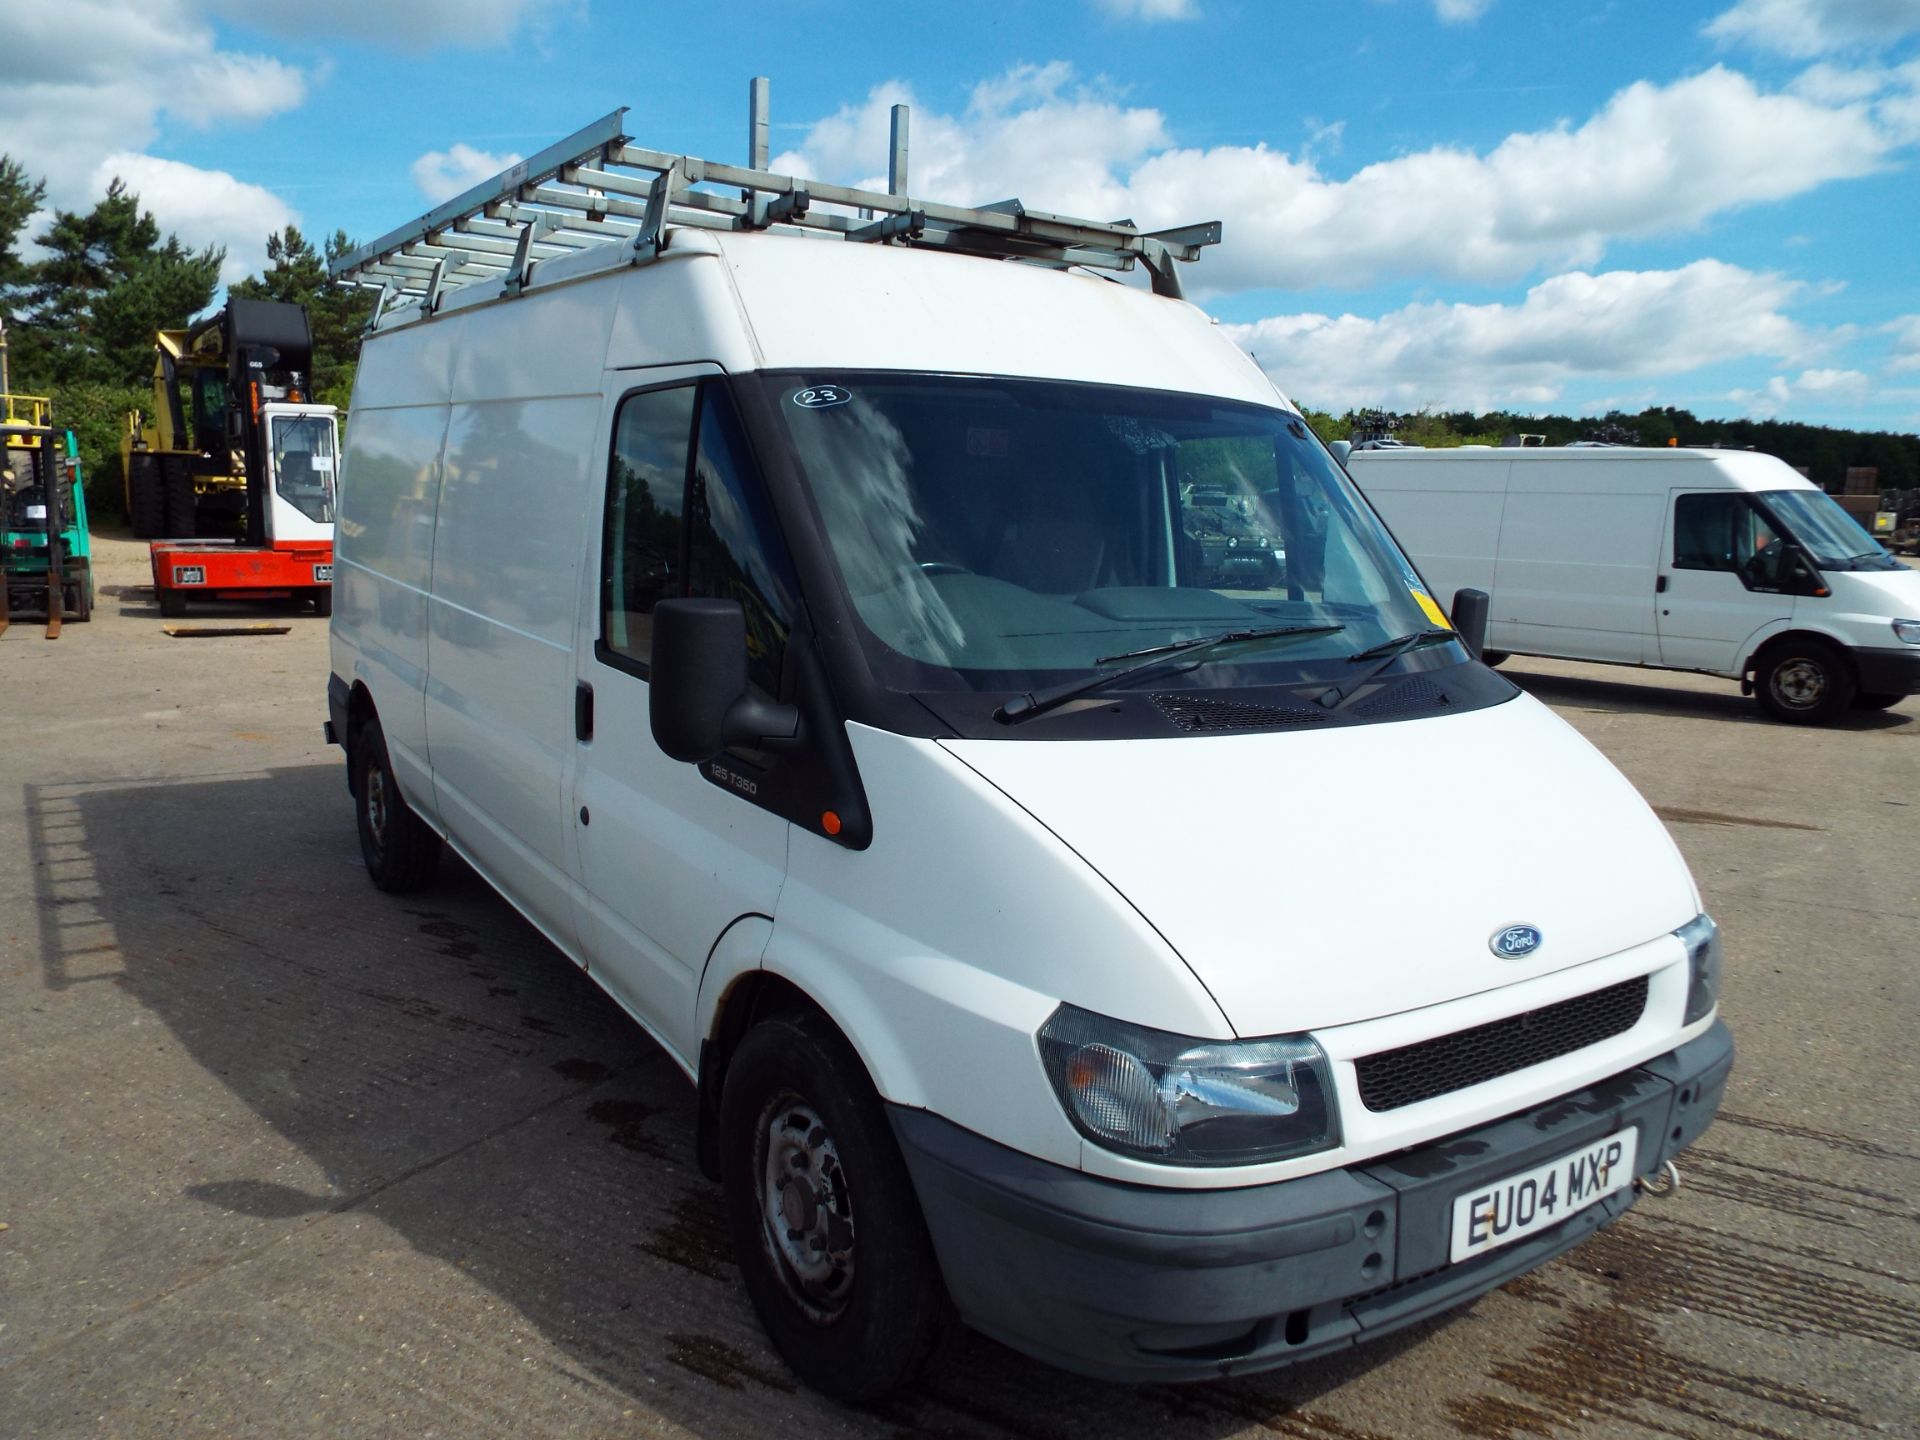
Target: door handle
[[582, 711], [1660, 585]]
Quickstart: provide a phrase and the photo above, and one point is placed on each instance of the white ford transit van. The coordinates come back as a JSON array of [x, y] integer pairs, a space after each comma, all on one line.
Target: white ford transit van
[[1719, 561], [834, 647]]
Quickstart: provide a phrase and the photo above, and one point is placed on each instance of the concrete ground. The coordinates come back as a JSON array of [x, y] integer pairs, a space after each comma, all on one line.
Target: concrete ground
[[282, 1156]]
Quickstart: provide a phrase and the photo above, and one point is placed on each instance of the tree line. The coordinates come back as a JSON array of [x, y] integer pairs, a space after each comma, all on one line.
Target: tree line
[[81, 313]]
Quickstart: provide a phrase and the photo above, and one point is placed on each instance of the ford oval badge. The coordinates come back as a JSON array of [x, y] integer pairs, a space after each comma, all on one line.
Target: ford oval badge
[[1516, 942]]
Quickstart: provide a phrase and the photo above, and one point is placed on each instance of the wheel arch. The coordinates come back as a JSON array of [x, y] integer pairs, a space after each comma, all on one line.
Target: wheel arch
[[1763, 644]]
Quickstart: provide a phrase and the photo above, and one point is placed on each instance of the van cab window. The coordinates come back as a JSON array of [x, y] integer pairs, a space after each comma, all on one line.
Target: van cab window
[[1723, 531], [687, 515]]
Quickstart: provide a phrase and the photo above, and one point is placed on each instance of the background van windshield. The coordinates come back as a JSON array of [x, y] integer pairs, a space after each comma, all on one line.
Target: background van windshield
[[992, 530]]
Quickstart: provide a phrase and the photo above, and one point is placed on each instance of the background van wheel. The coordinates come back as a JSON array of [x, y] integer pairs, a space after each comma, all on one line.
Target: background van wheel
[[823, 1216], [1874, 700], [402, 854], [1495, 658], [1805, 682]]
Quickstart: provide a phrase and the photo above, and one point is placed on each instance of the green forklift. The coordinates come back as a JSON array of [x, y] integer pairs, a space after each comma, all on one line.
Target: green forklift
[[46, 560]]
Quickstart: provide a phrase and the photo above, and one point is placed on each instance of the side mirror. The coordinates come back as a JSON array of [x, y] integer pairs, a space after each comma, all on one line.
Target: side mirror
[[1802, 576], [699, 704], [1470, 609], [1341, 449]]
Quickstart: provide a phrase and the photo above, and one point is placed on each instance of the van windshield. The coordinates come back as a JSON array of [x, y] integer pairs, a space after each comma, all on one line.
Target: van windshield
[[1829, 534], [995, 534]]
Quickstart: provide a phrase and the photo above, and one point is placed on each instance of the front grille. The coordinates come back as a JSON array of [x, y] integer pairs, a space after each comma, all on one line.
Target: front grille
[[1199, 712], [1467, 1057]]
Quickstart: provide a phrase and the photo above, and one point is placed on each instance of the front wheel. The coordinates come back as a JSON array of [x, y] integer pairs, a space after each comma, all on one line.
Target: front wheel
[[1805, 682], [401, 853], [823, 1216]]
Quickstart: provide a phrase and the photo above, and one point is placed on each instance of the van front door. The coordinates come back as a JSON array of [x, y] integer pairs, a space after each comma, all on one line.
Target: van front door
[[667, 858], [1719, 580]]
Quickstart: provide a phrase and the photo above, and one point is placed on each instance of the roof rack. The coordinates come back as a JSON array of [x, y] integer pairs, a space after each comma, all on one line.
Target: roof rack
[[595, 189]]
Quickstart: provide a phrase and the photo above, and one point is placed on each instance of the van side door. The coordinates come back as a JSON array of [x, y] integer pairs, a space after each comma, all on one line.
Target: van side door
[[1574, 576], [1719, 580], [670, 854]]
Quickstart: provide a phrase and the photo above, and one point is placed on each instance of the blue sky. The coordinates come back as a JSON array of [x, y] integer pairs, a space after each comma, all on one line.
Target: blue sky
[[1428, 203]]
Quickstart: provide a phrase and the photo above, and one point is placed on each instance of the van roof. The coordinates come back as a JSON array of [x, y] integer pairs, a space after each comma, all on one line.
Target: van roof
[[1626, 466]]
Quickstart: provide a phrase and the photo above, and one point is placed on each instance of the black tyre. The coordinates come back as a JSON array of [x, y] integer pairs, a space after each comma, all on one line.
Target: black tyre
[[1874, 700], [146, 498], [402, 854], [172, 604], [823, 1216], [79, 599], [1805, 682], [322, 596], [182, 521], [1495, 658]]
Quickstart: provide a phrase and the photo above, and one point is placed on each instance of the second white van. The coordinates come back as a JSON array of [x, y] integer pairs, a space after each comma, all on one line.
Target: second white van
[[1719, 561]]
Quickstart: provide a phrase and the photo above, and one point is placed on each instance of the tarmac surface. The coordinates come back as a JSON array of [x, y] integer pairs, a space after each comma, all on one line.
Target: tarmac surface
[[283, 1156]]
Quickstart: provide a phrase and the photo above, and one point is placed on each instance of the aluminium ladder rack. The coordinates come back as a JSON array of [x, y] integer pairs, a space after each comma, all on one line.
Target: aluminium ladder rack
[[596, 191]]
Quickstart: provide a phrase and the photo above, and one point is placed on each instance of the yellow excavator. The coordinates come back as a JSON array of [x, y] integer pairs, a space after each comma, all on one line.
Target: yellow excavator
[[186, 467]]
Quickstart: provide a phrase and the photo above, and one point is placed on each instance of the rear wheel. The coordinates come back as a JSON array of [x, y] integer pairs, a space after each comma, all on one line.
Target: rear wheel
[[172, 604], [146, 497], [322, 596], [1805, 682], [182, 522], [79, 599], [824, 1219], [401, 852]]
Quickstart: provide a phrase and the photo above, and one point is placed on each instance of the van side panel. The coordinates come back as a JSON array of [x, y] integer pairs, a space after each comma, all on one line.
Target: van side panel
[[383, 550], [508, 551], [1577, 567], [1446, 517]]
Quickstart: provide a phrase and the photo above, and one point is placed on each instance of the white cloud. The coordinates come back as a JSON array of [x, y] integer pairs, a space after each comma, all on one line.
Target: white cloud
[[1577, 325], [1655, 159], [443, 174], [1460, 12], [1905, 354], [1802, 29], [1150, 9], [410, 24], [89, 82], [1851, 384], [202, 207], [1779, 395]]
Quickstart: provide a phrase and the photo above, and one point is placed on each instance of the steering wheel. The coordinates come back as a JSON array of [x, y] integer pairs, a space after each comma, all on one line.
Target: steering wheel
[[942, 567]]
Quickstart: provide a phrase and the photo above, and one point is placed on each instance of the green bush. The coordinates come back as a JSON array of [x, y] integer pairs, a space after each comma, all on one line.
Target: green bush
[[96, 412]]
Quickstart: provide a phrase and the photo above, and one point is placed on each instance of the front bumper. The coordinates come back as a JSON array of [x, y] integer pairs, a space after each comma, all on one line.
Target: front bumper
[[1886, 671], [1130, 1283]]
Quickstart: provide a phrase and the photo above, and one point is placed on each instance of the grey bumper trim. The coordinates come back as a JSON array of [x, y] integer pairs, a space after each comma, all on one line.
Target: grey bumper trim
[[1132, 1283]]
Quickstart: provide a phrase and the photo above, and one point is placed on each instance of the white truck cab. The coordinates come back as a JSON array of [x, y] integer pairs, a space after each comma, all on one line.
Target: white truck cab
[[1724, 562], [834, 647]]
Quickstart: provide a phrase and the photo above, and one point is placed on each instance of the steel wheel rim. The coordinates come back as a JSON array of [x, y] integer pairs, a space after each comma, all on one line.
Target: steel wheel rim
[[376, 788], [1799, 684], [806, 1209]]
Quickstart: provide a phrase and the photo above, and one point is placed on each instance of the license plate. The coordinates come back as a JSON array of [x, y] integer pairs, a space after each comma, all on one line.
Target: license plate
[[323, 574], [189, 575], [1511, 1209]]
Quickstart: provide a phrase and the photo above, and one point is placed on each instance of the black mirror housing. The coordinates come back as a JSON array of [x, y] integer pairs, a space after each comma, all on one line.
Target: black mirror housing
[[1470, 611], [698, 701]]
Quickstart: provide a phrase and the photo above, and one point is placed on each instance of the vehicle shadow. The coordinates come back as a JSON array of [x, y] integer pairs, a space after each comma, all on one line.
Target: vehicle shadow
[[456, 1079], [139, 602], [1635, 698]]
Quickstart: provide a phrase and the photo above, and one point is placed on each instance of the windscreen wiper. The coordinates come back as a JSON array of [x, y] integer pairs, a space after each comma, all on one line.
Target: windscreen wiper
[[1386, 652], [1038, 702]]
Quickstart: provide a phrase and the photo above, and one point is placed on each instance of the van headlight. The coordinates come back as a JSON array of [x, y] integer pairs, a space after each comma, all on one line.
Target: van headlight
[[1702, 939], [1189, 1102], [1907, 630]]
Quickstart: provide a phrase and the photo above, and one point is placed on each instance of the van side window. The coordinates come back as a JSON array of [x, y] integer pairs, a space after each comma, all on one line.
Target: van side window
[[642, 560], [1723, 531], [687, 515], [734, 551]]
